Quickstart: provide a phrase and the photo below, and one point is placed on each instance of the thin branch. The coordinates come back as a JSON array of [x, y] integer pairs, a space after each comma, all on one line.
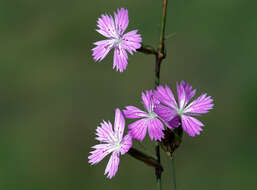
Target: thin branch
[[146, 49], [149, 160]]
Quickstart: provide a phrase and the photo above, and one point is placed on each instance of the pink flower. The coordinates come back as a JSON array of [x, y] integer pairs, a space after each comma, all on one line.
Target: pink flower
[[148, 120], [112, 142], [114, 31], [172, 113]]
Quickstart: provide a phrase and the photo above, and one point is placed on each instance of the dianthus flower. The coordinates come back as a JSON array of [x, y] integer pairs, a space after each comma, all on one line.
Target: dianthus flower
[[172, 113], [112, 142], [114, 31], [148, 120]]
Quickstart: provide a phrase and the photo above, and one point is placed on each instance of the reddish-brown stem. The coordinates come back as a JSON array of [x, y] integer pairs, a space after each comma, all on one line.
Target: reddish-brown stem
[[159, 58]]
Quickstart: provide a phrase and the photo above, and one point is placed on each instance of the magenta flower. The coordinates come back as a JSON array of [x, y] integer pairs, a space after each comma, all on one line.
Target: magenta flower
[[148, 120], [114, 31], [112, 142], [172, 113]]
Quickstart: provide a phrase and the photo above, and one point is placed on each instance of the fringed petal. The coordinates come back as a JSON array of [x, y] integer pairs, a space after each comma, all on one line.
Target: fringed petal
[[120, 59], [121, 20], [201, 105], [113, 165], [105, 132], [155, 129], [165, 96], [100, 152], [131, 41], [132, 112], [191, 125], [138, 128], [106, 26], [102, 49], [119, 124], [126, 144]]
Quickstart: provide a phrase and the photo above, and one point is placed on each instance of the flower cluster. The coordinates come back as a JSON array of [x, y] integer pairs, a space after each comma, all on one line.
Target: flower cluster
[[161, 111]]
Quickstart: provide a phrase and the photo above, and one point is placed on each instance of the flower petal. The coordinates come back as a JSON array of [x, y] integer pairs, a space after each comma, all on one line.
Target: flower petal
[[138, 128], [100, 152], [155, 129], [106, 26], [113, 165], [121, 20], [191, 125], [132, 112], [190, 93], [131, 41], [126, 144], [120, 59], [201, 105], [147, 98], [164, 112], [119, 124], [165, 96], [105, 132], [168, 115], [102, 49], [181, 95], [173, 123]]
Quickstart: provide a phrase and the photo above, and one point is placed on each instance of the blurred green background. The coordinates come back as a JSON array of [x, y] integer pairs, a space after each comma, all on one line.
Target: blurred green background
[[53, 95]]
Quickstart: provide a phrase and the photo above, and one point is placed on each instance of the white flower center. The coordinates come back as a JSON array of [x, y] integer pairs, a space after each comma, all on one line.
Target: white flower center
[[180, 111], [114, 147], [117, 146], [152, 115], [117, 41]]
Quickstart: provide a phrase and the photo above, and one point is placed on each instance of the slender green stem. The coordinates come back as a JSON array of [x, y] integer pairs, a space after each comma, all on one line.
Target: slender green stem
[[163, 26], [173, 173], [159, 57]]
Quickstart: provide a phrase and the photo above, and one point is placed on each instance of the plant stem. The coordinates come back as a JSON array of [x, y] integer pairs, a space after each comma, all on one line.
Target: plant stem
[[149, 160], [161, 47], [173, 173], [163, 26], [158, 172], [159, 57], [147, 49]]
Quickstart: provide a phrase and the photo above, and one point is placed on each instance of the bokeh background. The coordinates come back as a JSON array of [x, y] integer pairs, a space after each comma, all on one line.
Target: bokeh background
[[53, 95]]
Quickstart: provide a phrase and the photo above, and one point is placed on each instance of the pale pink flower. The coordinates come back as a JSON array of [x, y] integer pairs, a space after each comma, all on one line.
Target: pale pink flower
[[114, 29], [112, 141]]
